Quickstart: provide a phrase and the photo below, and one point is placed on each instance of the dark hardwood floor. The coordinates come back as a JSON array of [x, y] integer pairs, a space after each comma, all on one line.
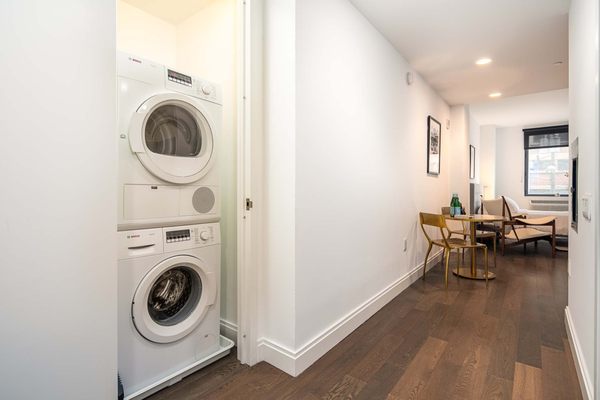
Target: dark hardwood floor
[[468, 342]]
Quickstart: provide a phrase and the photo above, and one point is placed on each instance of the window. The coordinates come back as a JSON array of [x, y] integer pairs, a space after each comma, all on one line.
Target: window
[[547, 161]]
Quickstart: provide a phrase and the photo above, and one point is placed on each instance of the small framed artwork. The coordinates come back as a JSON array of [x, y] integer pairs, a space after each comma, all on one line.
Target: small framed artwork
[[434, 145], [472, 162]]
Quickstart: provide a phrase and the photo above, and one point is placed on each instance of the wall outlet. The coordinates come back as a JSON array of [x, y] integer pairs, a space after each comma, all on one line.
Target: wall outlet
[[405, 244]]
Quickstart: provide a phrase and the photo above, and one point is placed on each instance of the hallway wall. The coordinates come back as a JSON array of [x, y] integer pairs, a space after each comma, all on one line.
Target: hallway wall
[[360, 164], [583, 244], [345, 158]]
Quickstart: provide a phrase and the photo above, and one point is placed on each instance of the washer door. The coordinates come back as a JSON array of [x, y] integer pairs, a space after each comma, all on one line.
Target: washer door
[[173, 138], [172, 299]]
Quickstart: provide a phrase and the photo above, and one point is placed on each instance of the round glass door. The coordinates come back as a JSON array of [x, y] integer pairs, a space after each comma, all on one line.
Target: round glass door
[[172, 130], [172, 299], [174, 295], [173, 138]]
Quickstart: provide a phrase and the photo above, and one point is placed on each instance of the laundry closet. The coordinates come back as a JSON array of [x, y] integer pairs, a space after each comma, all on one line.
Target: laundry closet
[[177, 125]]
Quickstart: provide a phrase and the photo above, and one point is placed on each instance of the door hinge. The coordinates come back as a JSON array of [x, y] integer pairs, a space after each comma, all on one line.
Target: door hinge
[[249, 204]]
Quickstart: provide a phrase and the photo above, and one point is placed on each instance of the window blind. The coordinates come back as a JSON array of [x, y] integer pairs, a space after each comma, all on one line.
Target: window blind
[[550, 136]]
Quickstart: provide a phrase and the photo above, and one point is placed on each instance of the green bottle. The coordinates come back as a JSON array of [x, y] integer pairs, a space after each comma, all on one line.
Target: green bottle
[[454, 205]]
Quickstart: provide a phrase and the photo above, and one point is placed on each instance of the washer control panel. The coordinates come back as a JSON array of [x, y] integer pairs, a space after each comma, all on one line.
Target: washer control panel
[[182, 235]]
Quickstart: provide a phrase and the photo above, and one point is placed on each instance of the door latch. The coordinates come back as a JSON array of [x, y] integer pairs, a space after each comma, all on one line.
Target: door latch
[[249, 204]]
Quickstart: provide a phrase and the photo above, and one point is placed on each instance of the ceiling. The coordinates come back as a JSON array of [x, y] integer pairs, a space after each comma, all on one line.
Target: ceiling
[[524, 111], [441, 39], [169, 10]]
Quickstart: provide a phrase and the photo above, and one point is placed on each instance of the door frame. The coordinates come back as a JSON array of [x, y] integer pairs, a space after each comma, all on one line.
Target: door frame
[[596, 221], [249, 176], [596, 216]]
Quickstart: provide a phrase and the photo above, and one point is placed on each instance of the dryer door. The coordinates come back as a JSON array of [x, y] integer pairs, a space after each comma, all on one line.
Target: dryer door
[[172, 299], [172, 136]]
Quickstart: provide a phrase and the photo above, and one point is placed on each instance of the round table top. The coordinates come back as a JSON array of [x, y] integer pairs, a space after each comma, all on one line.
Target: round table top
[[478, 218]]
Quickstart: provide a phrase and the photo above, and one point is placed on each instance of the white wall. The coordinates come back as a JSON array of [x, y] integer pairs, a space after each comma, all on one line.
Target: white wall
[[459, 154], [501, 138], [346, 175], [487, 164], [360, 164], [203, 45], [206, 47], [58, 203], [475, 141], [510, 163], [276, 291], [145, 35], [583, 86]]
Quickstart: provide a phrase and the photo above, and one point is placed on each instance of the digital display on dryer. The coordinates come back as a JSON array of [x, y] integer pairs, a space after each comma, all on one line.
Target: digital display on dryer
[[178, 236], [179, 78]]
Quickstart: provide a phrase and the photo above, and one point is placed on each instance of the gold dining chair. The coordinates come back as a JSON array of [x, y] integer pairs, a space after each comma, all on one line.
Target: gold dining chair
[[463, 230], [457, 227], [447, 243]]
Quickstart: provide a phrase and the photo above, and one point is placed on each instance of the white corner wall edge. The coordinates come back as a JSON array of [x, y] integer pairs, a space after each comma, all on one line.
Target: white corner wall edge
[[582, 373], [229, 330], [295, 362]]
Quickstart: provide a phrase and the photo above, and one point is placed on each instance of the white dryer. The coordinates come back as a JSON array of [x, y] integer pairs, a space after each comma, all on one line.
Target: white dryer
[[168, 316], [168, 125]]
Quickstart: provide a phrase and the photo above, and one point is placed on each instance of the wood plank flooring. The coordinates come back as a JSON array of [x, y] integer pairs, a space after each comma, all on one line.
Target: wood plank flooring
[[468, 342]]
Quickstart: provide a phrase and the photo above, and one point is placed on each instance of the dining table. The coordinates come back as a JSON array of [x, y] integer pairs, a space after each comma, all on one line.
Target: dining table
[[472, 272]]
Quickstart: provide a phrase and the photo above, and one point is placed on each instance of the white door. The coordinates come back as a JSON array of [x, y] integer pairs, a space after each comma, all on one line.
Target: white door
[[172, 136], [172, 299]]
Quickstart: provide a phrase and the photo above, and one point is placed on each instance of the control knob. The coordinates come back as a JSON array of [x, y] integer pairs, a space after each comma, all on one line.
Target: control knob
[[204, 235], [207, 89]]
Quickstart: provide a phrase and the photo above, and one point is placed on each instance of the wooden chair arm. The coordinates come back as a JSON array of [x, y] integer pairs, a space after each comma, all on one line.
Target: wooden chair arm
[[542, 221]]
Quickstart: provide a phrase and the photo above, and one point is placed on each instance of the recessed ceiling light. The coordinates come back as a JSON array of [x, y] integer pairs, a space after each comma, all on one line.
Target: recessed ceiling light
[[483, 61], [495, 94]]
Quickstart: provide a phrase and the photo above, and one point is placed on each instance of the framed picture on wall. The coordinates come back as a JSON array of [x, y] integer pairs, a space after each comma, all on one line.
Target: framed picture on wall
[[434, 146], [472, 162]]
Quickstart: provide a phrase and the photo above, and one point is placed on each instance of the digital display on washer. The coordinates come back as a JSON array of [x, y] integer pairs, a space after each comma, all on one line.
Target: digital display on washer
[[179, 78], [178, 236]]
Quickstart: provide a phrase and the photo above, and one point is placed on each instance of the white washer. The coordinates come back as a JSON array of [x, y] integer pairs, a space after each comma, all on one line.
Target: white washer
[[168, 304], [168, 126]]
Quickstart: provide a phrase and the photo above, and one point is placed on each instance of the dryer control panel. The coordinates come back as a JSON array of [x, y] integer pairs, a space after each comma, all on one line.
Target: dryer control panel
[[192, 236], [192, 86], [178, 77]]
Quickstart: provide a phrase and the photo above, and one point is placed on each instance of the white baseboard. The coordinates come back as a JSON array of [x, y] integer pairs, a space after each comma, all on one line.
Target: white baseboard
[[583, 374], [278, 356], [229, 330], [294, 362]]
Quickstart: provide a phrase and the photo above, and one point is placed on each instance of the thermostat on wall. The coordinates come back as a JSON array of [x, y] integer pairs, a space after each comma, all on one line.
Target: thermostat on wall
[[586, 206]]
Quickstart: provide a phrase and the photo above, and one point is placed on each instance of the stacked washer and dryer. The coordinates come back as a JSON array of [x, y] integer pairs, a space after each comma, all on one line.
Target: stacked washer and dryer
[[169, 236]]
